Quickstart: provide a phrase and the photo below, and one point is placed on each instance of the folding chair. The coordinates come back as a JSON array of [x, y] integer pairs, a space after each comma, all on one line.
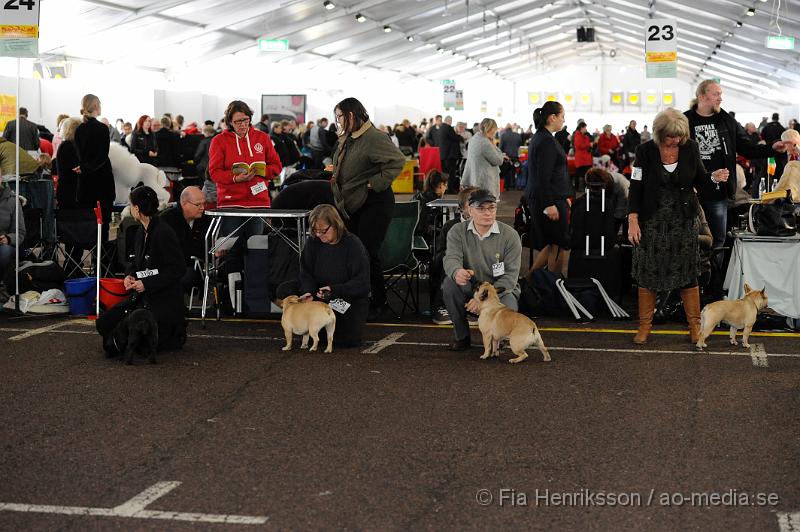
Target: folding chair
[[34, 243], [76, 240], [397, 256]]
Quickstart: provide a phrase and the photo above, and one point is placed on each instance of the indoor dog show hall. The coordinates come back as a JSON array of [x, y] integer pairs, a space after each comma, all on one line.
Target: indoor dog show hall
[[400, 265]]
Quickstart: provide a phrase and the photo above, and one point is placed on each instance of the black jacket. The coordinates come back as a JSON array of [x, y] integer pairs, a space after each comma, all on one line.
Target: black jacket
[[286, 148], [67, 192], [646, 178], [142, 144], [160, 251], [167, 142], [735, 140], [548, 180], [192, 239], [449, 142], [631, 140], [201, 157], [343, 266], [28, 133], [96, 181]]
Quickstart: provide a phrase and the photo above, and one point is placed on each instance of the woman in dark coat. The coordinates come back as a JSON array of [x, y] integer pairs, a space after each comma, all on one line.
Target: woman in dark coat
[[153, 278], [334, 266], [96, 181], [364, 165], [662, 220], [143, 142], [67, 159], [549, 190]]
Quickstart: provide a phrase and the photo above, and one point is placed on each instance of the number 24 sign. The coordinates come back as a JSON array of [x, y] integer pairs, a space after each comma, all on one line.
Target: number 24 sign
[[19, 13]]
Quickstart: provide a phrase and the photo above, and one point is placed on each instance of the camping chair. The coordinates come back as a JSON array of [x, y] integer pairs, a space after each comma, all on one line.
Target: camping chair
[[34, 243], [397, 256], [76, 240]]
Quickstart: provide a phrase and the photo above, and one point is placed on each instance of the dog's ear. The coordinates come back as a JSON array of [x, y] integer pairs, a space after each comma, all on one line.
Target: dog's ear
[[764, 291], [747, 288], [279, 302]]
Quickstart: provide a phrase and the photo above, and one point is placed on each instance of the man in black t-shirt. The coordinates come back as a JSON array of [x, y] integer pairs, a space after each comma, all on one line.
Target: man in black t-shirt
[[720, 138]]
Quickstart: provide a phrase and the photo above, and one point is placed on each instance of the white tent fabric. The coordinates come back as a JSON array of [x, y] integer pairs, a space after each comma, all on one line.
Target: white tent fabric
[[433, 39]]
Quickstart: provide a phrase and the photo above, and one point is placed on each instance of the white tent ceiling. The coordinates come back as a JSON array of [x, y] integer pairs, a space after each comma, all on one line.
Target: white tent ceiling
[[433, 39]]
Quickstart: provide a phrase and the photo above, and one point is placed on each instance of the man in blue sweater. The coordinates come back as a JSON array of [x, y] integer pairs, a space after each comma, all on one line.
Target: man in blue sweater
[[478, 250]]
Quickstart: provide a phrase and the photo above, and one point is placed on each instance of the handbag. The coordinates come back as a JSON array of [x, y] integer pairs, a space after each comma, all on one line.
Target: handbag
[[773, 219]]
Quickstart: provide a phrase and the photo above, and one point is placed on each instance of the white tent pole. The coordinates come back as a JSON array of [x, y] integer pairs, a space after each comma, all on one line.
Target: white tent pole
[[17, 210], [99, 250]]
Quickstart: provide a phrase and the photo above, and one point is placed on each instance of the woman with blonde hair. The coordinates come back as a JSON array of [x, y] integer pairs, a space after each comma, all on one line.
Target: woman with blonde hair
[[96, 178], [482, 169], [334, 265], [662, 218]]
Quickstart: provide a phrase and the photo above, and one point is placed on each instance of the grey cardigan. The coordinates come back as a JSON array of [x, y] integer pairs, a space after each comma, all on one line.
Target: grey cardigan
[[483, 165], [9, 208]]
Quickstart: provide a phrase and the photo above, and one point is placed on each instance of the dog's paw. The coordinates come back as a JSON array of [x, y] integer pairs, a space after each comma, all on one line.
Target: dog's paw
[[734, 342], [286, 348], [329, 350], [746, 346], [485, 356], [517, 360]]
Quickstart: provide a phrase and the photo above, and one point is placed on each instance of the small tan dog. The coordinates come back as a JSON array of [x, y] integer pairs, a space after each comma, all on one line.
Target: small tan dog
[[739, 314], [498, 322], [307, 319]]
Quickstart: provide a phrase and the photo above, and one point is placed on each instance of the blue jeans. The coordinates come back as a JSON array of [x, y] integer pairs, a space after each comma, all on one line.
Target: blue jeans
[[717, 217]]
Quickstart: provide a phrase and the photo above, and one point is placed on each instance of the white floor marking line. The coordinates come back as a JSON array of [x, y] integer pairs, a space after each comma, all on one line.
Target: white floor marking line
[[759, 356], [394, 336], [789, 522], [135, 508], [383, 343], [41, 330], [138, 503]]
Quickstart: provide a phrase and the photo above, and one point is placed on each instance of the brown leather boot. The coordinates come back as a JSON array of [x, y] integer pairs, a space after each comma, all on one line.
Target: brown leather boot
[[691, 305], [647, 307]]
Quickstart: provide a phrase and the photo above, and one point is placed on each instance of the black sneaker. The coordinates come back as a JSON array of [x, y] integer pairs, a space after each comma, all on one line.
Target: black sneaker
[[441, 317]]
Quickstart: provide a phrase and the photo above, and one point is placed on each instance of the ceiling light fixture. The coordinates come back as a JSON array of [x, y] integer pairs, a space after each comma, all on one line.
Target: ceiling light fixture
[[738, 24], [360, 17], [751, 12], [410, 38], [387, 29], [327, 4]]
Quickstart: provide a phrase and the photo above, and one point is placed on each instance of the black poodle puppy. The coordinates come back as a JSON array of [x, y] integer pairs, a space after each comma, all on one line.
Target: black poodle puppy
[[137, 334]]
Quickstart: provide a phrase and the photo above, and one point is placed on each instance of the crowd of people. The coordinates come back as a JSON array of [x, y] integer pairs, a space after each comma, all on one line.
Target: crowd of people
[[669, 190]]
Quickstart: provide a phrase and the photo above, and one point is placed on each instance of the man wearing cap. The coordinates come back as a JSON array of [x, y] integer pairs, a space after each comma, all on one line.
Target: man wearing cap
[[478, 250]]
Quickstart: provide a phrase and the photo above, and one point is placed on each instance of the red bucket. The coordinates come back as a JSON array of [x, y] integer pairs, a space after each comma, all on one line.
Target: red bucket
[[112, 291]]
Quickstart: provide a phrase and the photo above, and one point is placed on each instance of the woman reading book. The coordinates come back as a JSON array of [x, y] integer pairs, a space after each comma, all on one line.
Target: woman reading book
[[241, 161]]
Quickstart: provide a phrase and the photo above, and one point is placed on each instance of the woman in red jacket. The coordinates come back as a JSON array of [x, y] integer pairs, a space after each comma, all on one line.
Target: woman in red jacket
[[240, 188], [608, 144], [582, 144]]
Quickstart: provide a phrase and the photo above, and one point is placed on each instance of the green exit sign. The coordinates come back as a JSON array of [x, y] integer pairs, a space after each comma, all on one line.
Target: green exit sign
[[273, 45], [448, 82], [780, 42]]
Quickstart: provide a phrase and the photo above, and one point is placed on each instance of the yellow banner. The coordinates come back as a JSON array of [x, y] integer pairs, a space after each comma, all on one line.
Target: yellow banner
[[661, 57], [19, 32], [8, 109]]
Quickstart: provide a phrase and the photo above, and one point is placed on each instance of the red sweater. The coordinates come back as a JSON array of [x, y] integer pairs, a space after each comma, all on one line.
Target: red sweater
[[227, 149], [607, 143]]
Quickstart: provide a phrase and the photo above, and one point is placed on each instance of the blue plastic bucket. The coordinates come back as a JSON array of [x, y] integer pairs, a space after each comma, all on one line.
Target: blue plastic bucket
[[80, 295]]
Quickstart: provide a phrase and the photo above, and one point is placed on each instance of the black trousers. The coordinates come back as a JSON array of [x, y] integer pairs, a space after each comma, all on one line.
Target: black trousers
[[370, 223], [450, 167], [349, 326]]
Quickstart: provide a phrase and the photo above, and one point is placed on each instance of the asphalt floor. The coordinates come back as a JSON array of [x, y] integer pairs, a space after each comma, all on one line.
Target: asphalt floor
[[400, 434]]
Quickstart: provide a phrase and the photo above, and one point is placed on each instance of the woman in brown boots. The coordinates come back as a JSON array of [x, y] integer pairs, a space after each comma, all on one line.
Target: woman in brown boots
[[662, 217]]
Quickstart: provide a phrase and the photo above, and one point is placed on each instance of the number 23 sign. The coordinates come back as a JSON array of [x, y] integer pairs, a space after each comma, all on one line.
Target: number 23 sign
[[661, 44]]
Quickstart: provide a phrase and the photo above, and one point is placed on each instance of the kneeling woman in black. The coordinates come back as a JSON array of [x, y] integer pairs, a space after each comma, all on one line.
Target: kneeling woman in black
[[153, 278], [334, 266]]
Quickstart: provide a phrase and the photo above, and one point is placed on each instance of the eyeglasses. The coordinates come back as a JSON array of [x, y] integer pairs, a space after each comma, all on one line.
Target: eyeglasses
[[338, 116], [320, 232], [487, 208], [241, 121], [198, 204]]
